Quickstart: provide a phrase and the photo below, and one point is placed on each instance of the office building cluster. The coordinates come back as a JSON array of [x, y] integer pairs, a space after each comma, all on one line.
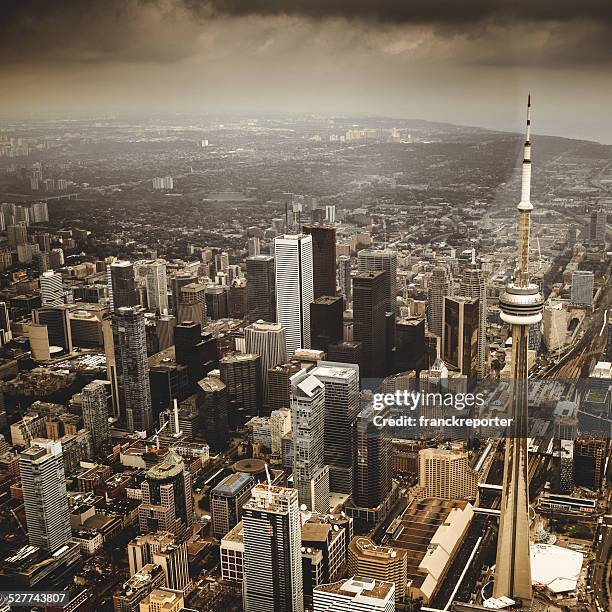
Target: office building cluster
[[194, 423]]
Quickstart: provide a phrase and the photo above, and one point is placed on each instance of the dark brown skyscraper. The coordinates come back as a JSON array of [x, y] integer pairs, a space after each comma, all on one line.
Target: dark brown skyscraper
[[326, 322], [369, 325], [410, 347], [373, 469], [122, 285], [460, 334], [242, 377], [261, 290], [279, 386], [197, 351], [212, 402], [323, 258], [347, 352]]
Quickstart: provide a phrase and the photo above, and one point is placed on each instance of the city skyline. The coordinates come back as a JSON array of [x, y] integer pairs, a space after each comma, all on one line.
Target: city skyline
[[267, 346]]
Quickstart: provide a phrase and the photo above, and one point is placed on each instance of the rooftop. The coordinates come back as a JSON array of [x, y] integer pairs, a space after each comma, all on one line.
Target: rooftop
[[327, 299], [554, 567], [359, 588], [211, 383], [233, 484], [324, 371], [172, 465], [419, 524]]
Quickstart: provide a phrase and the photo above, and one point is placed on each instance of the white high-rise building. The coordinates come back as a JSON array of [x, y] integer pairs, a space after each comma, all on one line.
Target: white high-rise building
[[330, 213], [358, 594], [582, 288], [294, 288], [39, 212], [163, 182], [254, 246], [44, 495], [51, 289], [157, 285], [95, 412], [310, 474], [272, 551]]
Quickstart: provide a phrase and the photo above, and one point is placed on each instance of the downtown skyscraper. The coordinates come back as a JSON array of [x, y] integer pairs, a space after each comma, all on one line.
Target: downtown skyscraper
[[370, 293], [460, 334], [381, 261], [294, 288], [373, 480], [261, 289], [344, 278], [191, 304], [52, 289], [95, 412], [268, 341], [341, 383], [45, 500], [121, 284], [583, 282], [310, 474], [473, 285], [440, 286], [156, 284], [132, 368], [272, 551], [324, 259], [326, 322], [167, 499]]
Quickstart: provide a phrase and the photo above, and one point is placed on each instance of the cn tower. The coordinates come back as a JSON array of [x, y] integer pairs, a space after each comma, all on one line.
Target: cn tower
[[521, 305]]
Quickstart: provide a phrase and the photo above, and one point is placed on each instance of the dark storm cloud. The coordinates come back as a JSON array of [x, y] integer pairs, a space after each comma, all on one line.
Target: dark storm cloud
[[59, 32], [46, 31], [571, 31], [419, 11]]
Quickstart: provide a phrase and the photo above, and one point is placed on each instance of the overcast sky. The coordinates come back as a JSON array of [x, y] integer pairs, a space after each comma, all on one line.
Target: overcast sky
[[464, 61]]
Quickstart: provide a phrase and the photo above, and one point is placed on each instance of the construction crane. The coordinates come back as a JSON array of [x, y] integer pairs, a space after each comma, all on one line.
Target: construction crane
[[269, 484], [177, 428], [157, 432]]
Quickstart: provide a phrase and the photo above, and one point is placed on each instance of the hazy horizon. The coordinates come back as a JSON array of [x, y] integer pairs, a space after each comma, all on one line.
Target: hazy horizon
[[468, 64]]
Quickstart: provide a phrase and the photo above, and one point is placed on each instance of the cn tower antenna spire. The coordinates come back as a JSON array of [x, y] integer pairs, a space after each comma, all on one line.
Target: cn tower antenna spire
[[525, 207], [528, 131]]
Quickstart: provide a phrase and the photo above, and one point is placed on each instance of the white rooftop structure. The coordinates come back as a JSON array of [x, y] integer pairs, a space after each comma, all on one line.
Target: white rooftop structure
[[554, 567], [603, 369], [498, 603]]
